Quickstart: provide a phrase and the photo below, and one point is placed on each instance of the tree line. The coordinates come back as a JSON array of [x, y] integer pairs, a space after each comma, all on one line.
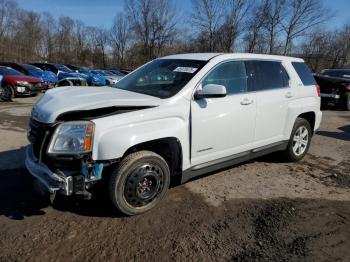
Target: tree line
[[147, 29]]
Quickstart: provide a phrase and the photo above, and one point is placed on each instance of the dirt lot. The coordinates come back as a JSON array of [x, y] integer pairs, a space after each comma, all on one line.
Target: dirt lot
[[264, 210]]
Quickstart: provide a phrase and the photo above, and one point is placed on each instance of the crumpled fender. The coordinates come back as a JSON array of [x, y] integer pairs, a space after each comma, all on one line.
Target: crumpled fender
[[114, 135]]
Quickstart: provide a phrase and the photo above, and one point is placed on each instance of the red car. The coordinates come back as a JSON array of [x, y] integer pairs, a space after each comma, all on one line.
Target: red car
[[15, 83]]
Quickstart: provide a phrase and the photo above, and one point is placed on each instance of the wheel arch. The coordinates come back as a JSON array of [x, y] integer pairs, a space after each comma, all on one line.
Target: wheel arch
[[310, 117], [169, 148]]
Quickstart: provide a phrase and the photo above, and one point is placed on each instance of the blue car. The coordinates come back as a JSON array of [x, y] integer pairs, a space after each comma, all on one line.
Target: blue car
[[92, 78], [48, 78], [66, 76]]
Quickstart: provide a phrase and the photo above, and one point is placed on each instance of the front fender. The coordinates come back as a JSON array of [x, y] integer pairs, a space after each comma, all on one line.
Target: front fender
[[111, 142]]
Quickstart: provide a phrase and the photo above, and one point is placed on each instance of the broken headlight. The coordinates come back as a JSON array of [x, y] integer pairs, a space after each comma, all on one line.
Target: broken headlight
[[72, 138]]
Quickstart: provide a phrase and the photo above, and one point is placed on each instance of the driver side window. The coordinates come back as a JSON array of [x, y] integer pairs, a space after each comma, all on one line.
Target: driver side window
[[231, 74]]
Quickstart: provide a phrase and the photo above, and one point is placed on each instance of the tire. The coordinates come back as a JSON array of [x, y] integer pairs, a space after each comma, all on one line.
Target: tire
[[139, 183], [65, 83], [299, 141], [346, 100], [7, 93]]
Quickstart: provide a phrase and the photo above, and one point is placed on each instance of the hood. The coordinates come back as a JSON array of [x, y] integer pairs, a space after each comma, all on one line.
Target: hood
[[22, 78], [94, 79], [61, 100], [46, 76]]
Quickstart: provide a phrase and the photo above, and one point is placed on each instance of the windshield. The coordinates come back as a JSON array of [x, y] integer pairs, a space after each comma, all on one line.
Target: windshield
[[162, 78], [32, 69], [6, 71], [63, 68], [115, 72], [101, 72]]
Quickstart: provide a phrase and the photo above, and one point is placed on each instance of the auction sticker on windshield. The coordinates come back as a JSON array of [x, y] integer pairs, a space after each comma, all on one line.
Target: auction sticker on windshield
[[190, 70]]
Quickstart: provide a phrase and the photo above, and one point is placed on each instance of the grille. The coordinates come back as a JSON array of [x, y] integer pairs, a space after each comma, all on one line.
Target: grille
[[39, 134]]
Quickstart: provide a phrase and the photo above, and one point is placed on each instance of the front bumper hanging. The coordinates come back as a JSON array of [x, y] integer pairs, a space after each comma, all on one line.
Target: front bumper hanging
[[53, 182]]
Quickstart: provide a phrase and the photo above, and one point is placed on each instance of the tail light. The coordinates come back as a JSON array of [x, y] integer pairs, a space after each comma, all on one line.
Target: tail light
[[348, 87], [318, 89]]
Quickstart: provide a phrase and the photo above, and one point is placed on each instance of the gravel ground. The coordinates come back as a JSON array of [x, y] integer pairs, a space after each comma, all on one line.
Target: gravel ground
[[263, 210]]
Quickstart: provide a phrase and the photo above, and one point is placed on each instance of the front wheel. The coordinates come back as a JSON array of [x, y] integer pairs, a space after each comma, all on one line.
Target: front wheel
[[6, 93], [299, 141], [139, 182]]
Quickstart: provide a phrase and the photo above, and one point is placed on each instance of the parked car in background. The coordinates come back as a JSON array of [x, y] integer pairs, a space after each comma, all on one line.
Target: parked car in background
[[15, 83], [335, 87], [66, 76], [111, 78], [341, 73], [49, 79], [191, 114], [91, 78], [1, 90], [125, 71], [116, 72]]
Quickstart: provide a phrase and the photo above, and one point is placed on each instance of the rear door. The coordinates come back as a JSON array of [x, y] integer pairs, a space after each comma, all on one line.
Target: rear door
[[270, 82]]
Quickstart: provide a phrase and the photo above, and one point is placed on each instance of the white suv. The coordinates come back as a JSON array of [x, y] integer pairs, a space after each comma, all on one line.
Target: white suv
[[172, 119]]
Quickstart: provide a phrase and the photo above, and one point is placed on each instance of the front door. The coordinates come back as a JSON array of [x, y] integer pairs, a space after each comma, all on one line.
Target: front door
[[224, 126]]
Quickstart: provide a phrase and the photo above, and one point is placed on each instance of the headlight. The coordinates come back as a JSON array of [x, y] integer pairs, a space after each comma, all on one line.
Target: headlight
[[23, 83], [72, 138]]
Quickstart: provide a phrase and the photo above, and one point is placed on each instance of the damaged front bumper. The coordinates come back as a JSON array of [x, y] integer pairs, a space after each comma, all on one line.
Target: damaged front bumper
[[53, 182]]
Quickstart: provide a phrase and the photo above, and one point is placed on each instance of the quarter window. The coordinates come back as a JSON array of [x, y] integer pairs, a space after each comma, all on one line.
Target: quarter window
[[231, 74], [304, 73], [266, 75]]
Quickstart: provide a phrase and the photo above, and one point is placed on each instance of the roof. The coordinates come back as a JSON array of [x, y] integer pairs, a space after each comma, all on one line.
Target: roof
[[208, 56], [337, 69], [193, 56]]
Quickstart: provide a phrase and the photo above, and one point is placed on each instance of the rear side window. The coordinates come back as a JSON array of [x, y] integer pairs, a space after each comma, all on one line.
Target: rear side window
[[231, 74], [266, 75], [304, 73]]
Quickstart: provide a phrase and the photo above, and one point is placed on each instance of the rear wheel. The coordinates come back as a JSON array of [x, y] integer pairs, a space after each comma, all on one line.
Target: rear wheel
[[6, 93], [139, 183], [299, 141]]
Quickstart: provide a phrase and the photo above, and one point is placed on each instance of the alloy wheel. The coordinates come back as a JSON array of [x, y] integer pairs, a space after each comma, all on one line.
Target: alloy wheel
[[300, 140]]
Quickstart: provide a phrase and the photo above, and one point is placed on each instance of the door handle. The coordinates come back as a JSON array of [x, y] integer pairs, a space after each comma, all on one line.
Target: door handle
[[246, 101], [289, 95]]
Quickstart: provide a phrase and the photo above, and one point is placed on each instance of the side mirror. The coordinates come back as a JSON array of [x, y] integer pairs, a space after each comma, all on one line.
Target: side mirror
[[210, 91]]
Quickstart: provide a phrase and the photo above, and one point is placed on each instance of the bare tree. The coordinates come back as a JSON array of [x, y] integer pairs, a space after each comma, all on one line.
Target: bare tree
[[27, 36], [8, 18], [208, 18], [153, 24], [49, 29], [274, 11], [303, 15], [99, 39], [254, 36], [233, 25], [120, 37]]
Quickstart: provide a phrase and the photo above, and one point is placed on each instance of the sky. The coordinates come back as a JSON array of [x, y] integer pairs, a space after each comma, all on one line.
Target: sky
[[102, 12]]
